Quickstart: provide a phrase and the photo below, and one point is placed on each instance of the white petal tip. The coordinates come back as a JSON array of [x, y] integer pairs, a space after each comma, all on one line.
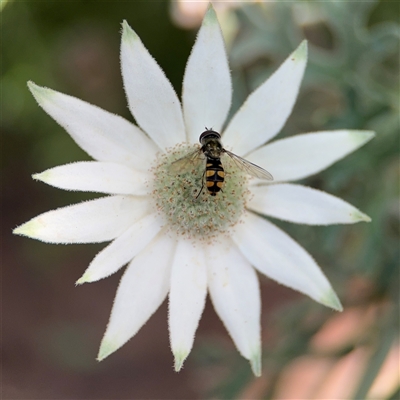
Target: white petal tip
[[331, 300], [210, 17], [128, 34], [360, 216], [29, 229], [180, 356], [39, 93], [255, 363], [32, 85], [85, 278], [300, 54], [43, 176], [106, 348], [18, 230], [362, 137]]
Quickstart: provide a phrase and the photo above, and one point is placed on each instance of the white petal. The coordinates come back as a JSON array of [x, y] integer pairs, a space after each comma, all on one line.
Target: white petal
[[95, 176], [104, 136], [303, 205], [151, 97], [235, 293], [143, 288], [186, 298], [277, 255], [207, 88], [122, 249], [303, 155], [92, 221], [266, 110]]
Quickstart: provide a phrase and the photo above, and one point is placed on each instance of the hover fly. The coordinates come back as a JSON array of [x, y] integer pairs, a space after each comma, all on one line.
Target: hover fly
[[210, 152]]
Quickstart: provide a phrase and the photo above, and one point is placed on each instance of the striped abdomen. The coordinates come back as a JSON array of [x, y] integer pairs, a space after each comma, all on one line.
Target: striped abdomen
[[214, 175]]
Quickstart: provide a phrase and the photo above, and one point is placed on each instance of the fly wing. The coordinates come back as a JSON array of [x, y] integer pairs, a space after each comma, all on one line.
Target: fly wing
[[249, 167], [186, 163]]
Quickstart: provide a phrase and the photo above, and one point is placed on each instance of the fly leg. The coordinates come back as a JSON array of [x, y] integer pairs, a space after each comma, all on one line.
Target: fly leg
[[202, 184]]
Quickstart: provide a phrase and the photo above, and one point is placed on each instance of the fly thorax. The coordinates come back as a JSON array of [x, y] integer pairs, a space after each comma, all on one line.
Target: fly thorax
[[181, 196], [213, 149]]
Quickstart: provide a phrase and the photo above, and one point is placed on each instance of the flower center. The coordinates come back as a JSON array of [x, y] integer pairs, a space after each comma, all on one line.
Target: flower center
[[184, 187]]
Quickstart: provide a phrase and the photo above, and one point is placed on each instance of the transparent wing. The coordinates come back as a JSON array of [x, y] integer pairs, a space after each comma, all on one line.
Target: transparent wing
[[249, 167], [188, 162]]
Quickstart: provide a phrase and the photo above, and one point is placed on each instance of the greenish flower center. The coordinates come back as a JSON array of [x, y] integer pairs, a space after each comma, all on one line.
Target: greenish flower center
[[182, 197]]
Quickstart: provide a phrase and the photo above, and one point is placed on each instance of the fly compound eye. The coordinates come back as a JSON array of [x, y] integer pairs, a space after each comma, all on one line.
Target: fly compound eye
[[204, 134], [209, 134]]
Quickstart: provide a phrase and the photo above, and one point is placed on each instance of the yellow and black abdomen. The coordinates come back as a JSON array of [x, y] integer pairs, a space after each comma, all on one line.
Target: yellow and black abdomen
[[215, 175]]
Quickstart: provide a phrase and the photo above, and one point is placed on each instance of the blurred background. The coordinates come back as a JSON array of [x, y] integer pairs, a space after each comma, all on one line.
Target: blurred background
[[51, 329]]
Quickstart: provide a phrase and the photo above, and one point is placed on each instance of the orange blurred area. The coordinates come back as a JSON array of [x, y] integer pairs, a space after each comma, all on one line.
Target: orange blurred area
[[325, 375], [328, 370]]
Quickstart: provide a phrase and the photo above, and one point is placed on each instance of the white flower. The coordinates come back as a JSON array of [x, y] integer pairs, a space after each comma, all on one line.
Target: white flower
[[215, 243]]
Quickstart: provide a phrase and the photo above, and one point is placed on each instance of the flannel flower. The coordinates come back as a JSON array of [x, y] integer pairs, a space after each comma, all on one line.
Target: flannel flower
[[176, 241]]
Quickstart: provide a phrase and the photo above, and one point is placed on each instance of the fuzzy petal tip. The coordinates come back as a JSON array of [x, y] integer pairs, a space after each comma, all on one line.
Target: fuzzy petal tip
[[128, 34], [362, 137], [255, 362], [29, 229], [107, 347], [210, 16], [40, 93], [359, 216], [180, 356], [300, 54], [85, 278], [42, 176], [330, 299]]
